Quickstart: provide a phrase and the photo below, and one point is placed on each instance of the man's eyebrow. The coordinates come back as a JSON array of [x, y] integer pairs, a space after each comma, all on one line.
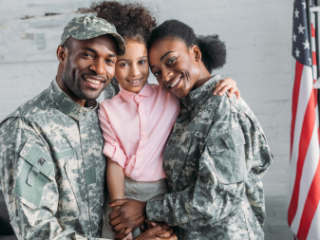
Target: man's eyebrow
[[94, 51], [90, 49], [165, 55]]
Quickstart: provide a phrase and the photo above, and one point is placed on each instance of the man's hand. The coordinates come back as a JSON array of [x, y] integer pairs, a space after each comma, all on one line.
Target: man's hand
[[227, 84], [160, 229], [128, 217]]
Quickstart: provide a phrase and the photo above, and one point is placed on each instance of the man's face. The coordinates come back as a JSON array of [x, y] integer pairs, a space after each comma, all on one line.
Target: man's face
[[89, 67]]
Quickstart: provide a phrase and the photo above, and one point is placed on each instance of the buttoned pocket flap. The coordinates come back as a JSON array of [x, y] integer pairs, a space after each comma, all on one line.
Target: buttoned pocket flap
[[34, 171], [39, 159], [227, 151]]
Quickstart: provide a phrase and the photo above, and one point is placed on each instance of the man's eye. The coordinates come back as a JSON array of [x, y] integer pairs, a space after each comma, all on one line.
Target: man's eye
[[86, 54], [156, 74], [110, 61], [171, 60]]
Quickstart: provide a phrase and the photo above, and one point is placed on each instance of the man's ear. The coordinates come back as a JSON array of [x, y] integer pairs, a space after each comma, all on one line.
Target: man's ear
[[62, 54], [195, 51]]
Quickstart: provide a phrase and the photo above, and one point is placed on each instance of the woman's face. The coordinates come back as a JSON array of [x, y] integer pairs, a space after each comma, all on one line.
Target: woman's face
[[132, 69], [175, 66]]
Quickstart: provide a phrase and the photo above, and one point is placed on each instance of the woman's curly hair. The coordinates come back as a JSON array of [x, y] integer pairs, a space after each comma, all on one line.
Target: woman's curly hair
[[214, 53], [132, 20]]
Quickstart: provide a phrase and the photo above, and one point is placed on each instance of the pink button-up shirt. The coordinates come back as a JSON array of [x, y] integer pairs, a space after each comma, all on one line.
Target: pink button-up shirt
[[136, 128]]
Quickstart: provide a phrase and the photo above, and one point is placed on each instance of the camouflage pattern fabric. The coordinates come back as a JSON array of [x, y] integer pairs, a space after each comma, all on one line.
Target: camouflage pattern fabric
[[112, 89], [52, 169], [214, 161], [87, 27]]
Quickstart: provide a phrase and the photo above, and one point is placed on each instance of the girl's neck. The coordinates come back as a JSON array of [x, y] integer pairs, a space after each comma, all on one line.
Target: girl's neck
[[133, 91]]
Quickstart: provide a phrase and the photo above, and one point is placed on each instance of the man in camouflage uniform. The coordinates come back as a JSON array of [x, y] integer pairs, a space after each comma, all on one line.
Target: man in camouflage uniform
[[52, 169], [214, 161]]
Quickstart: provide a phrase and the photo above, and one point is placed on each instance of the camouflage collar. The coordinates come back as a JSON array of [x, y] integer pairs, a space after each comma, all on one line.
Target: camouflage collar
[[66, 104], [196, 96]]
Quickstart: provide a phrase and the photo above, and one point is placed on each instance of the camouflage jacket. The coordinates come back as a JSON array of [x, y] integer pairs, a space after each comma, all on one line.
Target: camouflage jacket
[[52, 168], [214, 161]]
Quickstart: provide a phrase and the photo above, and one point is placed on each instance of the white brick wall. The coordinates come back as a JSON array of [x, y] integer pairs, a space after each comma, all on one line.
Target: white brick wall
[[258, 39]]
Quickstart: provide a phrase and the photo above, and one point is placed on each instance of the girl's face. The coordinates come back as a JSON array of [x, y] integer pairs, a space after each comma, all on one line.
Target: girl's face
[[132, 69], [175, 66]]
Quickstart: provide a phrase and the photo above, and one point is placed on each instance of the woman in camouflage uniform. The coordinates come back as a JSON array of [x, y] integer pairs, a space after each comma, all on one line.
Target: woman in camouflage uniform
[[217, 152]]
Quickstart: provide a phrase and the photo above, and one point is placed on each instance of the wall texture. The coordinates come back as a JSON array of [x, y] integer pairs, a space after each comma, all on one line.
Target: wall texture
[[258, 39]]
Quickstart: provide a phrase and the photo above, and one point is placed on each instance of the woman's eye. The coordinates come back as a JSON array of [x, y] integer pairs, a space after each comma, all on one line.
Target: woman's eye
[[142, 61], [123, 64]]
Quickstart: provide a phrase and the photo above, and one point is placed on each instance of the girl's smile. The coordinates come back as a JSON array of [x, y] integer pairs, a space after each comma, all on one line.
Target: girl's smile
[[132, 69]]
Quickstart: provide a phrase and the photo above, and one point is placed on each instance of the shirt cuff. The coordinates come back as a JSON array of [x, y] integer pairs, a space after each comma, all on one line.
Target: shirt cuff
[[154, 211], [115, 153]]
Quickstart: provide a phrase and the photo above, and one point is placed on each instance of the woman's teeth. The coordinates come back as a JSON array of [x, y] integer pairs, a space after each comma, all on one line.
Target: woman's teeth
[[92, 81], [175, 83]]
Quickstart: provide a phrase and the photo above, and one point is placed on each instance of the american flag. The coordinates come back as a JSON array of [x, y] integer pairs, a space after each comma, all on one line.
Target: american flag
[[304, 207]]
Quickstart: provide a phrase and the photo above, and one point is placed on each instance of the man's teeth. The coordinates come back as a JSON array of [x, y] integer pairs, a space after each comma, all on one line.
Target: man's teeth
[[175, 83], [92, 81]]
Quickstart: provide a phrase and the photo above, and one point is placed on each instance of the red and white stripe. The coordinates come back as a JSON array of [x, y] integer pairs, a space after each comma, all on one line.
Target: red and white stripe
[[304, 207]]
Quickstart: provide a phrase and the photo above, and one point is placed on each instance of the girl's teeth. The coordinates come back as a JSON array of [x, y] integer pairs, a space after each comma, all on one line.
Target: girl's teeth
[[135, 81], [92, 81]]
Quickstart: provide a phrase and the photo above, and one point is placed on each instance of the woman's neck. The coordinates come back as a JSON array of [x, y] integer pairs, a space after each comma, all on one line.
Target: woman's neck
[[203, 78]]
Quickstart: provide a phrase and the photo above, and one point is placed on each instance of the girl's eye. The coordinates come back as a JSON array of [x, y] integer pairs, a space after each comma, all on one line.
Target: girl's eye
[[142, 61], [123, 64]]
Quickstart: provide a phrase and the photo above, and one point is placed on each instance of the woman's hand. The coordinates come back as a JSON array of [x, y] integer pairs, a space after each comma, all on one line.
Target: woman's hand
[[168, 230], [159, 230], [227, 84], [130, 215]]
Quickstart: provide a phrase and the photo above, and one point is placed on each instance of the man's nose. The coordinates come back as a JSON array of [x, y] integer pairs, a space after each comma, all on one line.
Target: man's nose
[[99, 67]]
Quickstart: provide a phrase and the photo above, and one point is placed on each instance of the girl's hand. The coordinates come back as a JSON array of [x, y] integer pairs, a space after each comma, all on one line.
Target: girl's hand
[[227, 84]]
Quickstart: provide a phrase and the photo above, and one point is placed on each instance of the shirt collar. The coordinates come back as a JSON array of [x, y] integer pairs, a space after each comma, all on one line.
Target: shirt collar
[[66, 104], [196, 96], [129, 96]]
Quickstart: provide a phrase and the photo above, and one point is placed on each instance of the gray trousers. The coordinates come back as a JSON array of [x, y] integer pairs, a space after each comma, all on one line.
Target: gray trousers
[[142, 191]]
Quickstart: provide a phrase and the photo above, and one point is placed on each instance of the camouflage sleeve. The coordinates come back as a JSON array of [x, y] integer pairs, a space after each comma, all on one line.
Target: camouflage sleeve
[[259, 159], [201, 204], [30, 186]]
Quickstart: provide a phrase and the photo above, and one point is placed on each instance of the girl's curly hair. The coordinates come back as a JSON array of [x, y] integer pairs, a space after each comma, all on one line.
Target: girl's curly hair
[[132, 20]]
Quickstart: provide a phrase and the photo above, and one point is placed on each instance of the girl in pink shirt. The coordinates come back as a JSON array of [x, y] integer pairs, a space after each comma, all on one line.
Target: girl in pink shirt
[[137, 122]]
